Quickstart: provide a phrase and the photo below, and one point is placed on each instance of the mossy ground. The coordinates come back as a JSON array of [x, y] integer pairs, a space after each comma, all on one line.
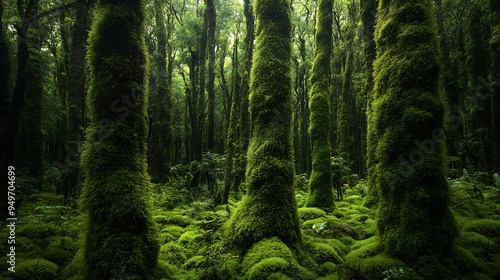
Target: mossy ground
[[336, 245]]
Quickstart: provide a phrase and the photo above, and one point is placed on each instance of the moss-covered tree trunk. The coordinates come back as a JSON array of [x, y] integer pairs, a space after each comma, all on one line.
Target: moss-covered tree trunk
[[495, 80], [211, 22], [13, 119], [244, 119], [160, 140], [34, 97], [4, 73], [75, 100], [368, 12], [480, 114], [269, 208], [120, 236], [414, 219], [320, 183], [4, 101], [233, 132]]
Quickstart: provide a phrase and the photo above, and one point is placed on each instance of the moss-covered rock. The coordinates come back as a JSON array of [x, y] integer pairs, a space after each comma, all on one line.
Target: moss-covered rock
[[323, 252], [173, 253], [265, 249], [487, 227], [478, 244], [266, 267], [36, 269], [309, 213], [57, 255]]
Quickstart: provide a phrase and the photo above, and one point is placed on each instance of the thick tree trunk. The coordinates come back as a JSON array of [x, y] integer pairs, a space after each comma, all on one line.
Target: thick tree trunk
[[120, 233], [415, 223], [269, 208]]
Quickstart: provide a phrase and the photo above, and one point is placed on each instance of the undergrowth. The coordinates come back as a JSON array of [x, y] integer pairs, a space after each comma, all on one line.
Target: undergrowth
[[339, 245]]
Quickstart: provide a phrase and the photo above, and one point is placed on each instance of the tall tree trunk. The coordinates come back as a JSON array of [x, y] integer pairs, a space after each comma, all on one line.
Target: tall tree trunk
[[4, 103], [4, 74], [11, 128], [480, 114], [161, 128], [211, 18], [495, 82], [234, 129], [120, 234], [368, 13], [346, 118], [34, 96], [269, 208], [415, 223], [245, 76], [320, 183], [75, 100]]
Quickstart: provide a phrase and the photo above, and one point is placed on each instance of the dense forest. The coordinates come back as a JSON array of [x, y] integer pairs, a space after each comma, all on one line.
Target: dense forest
[[250, 139]]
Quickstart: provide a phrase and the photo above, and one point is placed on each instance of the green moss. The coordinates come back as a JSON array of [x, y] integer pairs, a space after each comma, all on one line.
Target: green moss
[[175, 231], [323, 252], [173, 253], [413, 218], [477, 244], [265, 249], [121, 235], [38, 231], [36, 269], [377, 265], [466, 263], [354, 199], [76, 266], [364, 249], [309, 213], [57, 255], [194, 263], [269, 207], [268, 266], [486, 227], [320, 182], [189, 237], [327, 268]]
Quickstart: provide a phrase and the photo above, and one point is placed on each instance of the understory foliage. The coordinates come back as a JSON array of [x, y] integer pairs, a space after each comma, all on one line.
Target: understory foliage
[[193, 243]]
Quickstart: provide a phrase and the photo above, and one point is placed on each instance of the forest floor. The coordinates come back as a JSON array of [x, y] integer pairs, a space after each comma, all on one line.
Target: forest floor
[[191, 232]]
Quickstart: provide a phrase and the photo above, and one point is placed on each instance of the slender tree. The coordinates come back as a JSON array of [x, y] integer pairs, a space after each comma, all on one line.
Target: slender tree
[[160, 139], [320, 183], [75, 97], [13, 119], [414, 220], [269, 208], [495, 80], [480, 115], [121, 235], [4, 72], [34, 96], [211, 23]]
